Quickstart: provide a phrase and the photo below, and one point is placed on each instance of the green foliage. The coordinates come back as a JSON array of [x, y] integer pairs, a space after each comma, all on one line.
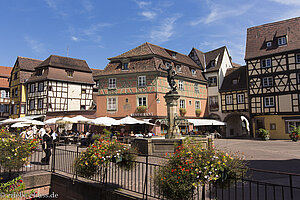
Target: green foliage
[[191, 166], [263, 133], [141, 109], [15, 150], [198, 112], [295, 134], [14, 188], [96, 136], [100, 154], [182, 111]]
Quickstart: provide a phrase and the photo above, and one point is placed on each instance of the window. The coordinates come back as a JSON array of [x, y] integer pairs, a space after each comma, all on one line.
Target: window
[[269, 44], [31, 104], [39, 72], [40, 103], [178, 68], [82, 107], [50, 88], [41, 87], [190, 102], [22, 109], [7, 94], [173, 54], [15, 109], [234, 81], [15, 75], [297, 58], [298, 77], [269, 101], [49, 106], [196, 87], [182, 103], [281, 41], [83, 91], [267, 81], [266, 63], [125, 66], [12, 92], [142, 81], [272, 126], [292, 124], [213, 63], [112, 104], [32, 87], [240, 98], [228, 99], [126, 100], [168, 65], [3, 93], [111, 83], [70, 73], [212, 81], [16, 92], [193, 71], [197, 104], [142, 101], [213, 103], [180, 84]]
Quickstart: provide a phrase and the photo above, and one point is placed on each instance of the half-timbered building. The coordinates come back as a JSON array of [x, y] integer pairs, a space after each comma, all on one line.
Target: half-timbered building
[[4, 91], [134, 84], [22, 70], [60, 85], [234, 102], [273, 65], [214, 65]]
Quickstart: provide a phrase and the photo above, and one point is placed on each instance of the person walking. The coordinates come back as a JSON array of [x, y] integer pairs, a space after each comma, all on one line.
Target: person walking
[[47, 143]]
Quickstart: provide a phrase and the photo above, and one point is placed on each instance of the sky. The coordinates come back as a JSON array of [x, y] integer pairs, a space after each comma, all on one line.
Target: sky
[[94, 30]]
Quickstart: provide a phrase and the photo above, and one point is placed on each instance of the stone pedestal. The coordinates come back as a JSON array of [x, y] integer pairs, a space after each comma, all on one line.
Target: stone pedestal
[[172, 102]]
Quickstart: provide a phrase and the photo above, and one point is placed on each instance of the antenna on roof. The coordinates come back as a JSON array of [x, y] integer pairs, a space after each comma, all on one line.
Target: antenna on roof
[[68, 51]]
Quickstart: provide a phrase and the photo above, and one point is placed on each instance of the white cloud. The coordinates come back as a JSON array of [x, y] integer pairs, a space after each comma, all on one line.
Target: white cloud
[[149, 14], [287, 2], [51, 4], [165, 31], [93, 29], [220, 12], [74, 38], [87, 5], [35, 45], [143, 4]]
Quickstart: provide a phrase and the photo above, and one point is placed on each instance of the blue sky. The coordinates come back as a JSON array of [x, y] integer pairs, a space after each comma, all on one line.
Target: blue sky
[[96, 30]]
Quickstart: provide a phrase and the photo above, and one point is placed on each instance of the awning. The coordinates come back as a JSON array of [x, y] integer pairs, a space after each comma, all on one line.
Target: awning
[[206, 122]]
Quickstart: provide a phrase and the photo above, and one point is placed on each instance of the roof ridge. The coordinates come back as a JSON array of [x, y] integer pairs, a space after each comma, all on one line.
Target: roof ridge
[[29, 58], [150, 47], [66, 57], [275, 23]]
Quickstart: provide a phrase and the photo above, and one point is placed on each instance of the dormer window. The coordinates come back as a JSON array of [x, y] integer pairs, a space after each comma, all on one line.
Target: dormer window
[[234, 81], [39, 72], [213, 63], [193, 71], [70, 73], [178, 68], [173, 54], [125, 66], [269, 44], [282, 41]]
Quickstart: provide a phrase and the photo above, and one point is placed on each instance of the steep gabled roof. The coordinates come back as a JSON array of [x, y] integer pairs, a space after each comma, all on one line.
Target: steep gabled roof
[[238, 73], [214, 55], [5, 71], [28, 63], [258, 36], [66, 63], [148, 49]]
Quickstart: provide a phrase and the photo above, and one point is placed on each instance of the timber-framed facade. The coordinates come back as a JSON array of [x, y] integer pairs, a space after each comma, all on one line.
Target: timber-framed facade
[[60, 84], [273, 65]]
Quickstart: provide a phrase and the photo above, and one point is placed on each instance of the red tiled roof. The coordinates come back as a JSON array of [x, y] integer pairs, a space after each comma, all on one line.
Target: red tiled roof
[[28, 63], [258, 36], [4, 76]]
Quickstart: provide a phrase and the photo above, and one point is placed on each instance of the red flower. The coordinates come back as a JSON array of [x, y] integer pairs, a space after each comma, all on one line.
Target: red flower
[[20, 181]]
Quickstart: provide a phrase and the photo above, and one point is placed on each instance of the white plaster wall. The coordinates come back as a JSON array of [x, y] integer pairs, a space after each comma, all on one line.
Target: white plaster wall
[[226, 63], [74, 104], [74, 91]]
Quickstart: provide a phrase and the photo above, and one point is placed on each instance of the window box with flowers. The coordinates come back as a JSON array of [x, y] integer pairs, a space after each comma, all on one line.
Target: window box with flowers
[[182, 112], [141, 109], [198, 112]]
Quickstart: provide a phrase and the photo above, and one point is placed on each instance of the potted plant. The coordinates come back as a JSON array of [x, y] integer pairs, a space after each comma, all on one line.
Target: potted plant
[[182, 112], [295, 134], [198, 112], [263, 133], [141, 109]]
